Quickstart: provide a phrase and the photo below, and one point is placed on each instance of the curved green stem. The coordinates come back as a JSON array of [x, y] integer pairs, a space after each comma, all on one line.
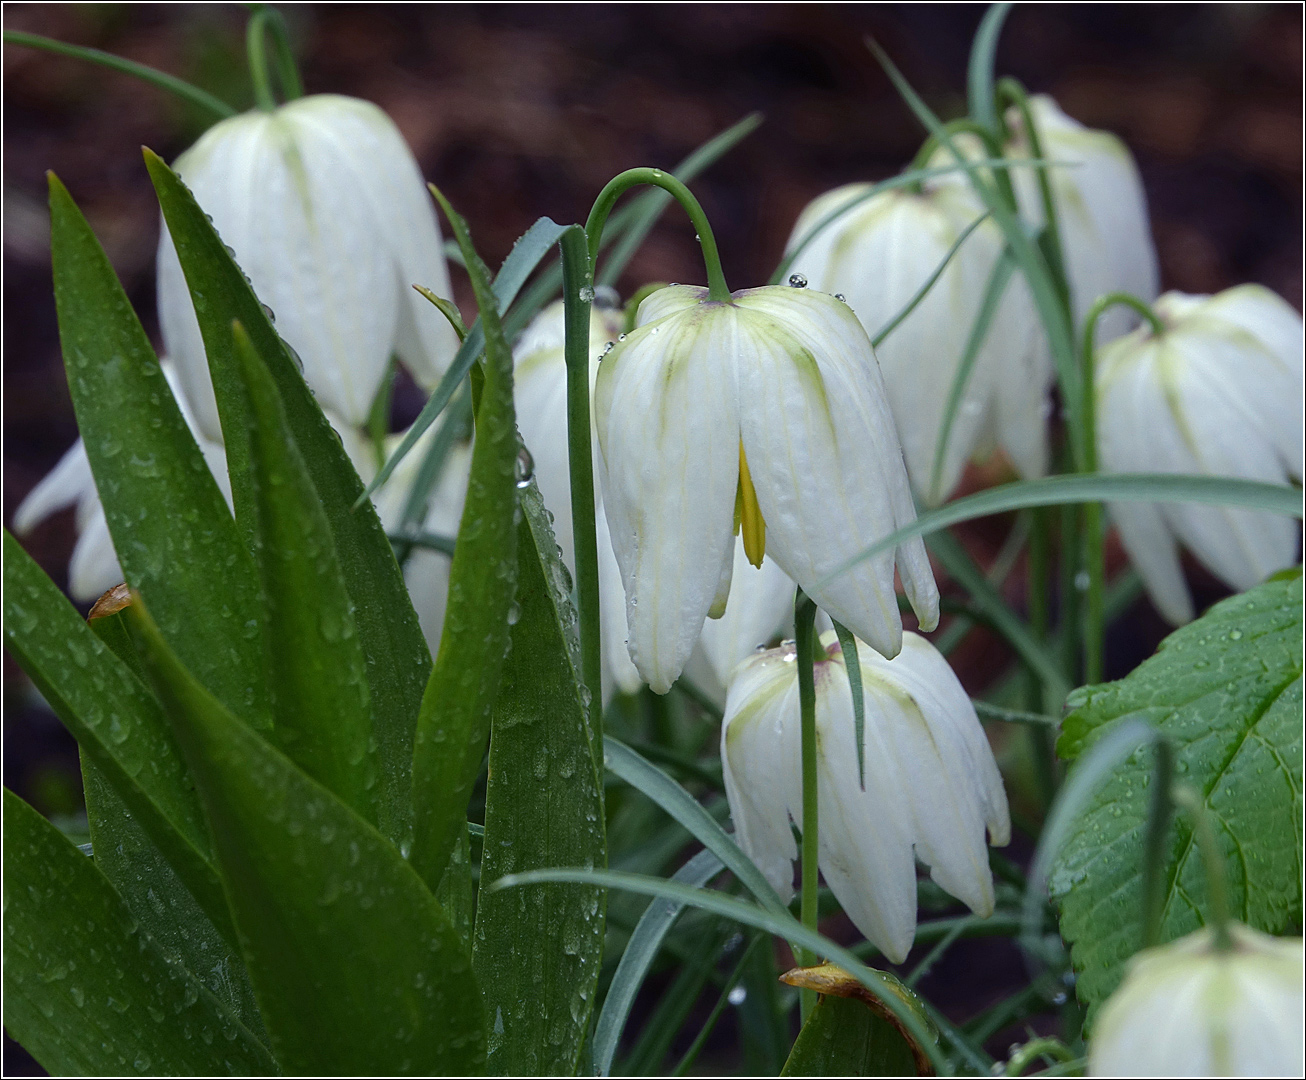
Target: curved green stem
[[1213, 862], [1035, 1049], [718, 290], [1094, 528], [966, 126], [804, 640], [577, 294], [153, 76], [263, 21]]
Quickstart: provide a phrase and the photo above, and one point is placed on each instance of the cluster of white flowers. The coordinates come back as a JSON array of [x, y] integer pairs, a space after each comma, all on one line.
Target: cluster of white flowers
[[747, 444]]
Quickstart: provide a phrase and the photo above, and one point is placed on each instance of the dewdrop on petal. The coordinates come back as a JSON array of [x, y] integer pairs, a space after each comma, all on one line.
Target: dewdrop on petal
[[763, 415], [932, 785], [325, 210], [1218, 393]]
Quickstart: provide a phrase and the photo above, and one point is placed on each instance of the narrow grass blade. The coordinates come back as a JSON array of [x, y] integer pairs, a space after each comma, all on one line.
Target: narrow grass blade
[[979, 72], [454, 721], [848, 645], [356, 967], [85, 992], [1092, 487], [780, 923], [321, 710], [641, 950], [642, 774], [171, 527]]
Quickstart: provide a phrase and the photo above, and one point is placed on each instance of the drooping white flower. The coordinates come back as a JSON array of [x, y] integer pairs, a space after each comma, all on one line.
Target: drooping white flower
[[1219, 393], [769, 410], [326, 212], [1106, 238], [879, 254], [540, 390], [94, 565], [932, 786], [1190, 1009]]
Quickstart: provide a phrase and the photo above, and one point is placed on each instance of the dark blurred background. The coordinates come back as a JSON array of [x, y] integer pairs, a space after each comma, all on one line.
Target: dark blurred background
[[523, 110]]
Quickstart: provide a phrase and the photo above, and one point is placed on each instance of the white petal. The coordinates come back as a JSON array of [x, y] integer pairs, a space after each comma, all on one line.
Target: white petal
[[761, 600], [427, 572], [824, 456], [668, 432], [761, 763], [68, 483], [94, 567], [619, 673]]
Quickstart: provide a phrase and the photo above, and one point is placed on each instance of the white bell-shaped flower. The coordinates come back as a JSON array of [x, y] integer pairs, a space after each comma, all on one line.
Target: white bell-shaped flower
[[1190, 1009], [1219, 393], [94, 568], [879, 254], [767, 411], [1106, 238], [932, 786], [761, 607], [540, 390], [326, 211]]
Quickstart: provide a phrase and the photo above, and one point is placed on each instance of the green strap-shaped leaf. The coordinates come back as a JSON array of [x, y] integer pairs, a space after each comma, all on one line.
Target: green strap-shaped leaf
[[455, 718], [397, 658], [159, 900], [85, 991], [114, 719], [1226, 691], [320, 708], [171, 528], [848, 646], [356, 968], [538, 951]]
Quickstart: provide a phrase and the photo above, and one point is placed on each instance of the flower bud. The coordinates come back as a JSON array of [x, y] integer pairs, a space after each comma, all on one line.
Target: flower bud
[[325, 210], [1219, 393], [1192, 1009], [763, 415], [932, 786]]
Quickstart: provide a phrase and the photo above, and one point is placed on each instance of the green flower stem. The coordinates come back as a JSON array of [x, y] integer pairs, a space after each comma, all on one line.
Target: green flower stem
[[966, 126], [1035, 1049], [577, 295], [805, 640], [264, 20], [153, 76], [1094, 531], [718, 290], [1212, 860], [1011, 91], [1037, 570], [1159, 813]]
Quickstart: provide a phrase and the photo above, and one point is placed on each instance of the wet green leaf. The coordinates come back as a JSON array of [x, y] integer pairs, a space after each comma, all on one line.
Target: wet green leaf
[[454, 723], [356, 968], [114, 718], [171, 528], [320, 707], [843, 1037], [538, 950], [397, 658], [85, 990], [1227, 691]]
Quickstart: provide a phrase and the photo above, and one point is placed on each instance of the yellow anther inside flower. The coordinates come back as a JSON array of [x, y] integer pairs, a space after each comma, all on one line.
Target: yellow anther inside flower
[[750, 514]]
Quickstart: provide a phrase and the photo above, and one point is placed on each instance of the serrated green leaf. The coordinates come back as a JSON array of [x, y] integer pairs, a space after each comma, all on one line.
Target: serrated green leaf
[[115, 720], [85, 991], [171, 527], [397, 658], [843, 1037], [538, 952], [455, 719], [356, 968], [321, 712], [1226, 691], [160, 901]]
